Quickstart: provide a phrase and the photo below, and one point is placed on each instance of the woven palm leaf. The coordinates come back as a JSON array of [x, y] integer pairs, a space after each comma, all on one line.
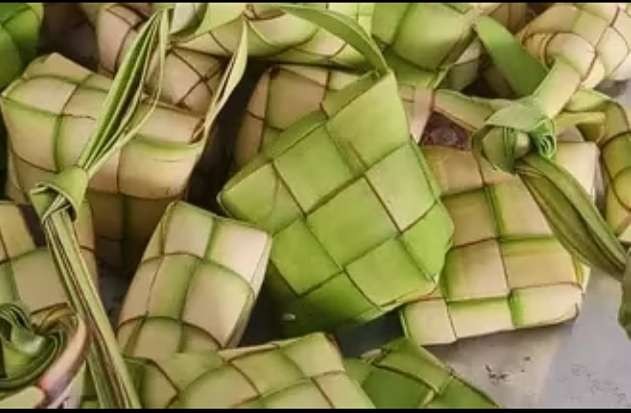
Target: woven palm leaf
[[190, 78], [274, 105], [402, 375], [583, 44], [50, 113], [29, 273], [448, 32], [196, 284], [31, 279], [506, 270], [279, 36], [593, 37], [307, 372], [91, 10], [42, 358], [19, 34], [612, 135], [466, 69], [317, 185]]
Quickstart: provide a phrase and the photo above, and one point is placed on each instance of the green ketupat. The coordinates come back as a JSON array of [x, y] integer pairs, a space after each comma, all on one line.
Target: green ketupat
[[317, 185], [19, 35], [50, 113], [299, 41], [274, 105], [190, 78], [402, 375], [42, 358], [521, 137], [47, 371], [506, 270], [196, 285], [306, 372]]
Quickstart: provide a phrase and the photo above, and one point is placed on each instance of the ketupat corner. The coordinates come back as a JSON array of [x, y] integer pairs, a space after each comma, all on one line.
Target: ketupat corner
[[432, 163]]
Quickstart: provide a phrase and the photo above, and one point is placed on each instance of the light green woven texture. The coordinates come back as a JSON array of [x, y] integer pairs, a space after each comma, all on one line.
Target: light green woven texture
[[402, 375], [357, 224], [594, 38], [615, 147], [299, 41], [447, 33], [50, 113], [190, 78], [506, 270], [19, 35], [27, 272], [196, 285], [274, 104], [307, 372]]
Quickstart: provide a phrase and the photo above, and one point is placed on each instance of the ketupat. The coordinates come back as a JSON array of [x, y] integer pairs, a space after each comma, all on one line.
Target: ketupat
[[328, 267], [29, 273], [50, 113], [299, 41], [190, 79], [19, 35], [196, 285], [402, 375], [42, 358], [572, 215], [612, 135], [506, 270], [30, 279], [267, 123], [57, 200], [274, 106], [611, 59], [306, 372]]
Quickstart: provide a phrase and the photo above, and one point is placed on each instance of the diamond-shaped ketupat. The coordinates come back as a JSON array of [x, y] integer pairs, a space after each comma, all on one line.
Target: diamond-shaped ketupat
[[507, 270], [196, 285], [354, 210], [306, 372]]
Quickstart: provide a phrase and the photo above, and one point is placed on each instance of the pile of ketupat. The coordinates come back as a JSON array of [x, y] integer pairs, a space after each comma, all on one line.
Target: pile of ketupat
[[351, 160]]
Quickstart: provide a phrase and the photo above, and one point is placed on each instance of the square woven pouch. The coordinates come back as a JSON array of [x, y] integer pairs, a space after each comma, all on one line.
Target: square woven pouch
[[307, 372], [50, 113], [506, 270], [354, 210], [402, 375], [195, 286]]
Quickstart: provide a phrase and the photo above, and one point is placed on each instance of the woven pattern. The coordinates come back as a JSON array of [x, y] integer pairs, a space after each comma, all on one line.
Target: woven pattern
[[615, 147], [424, 60], [27, 272], [403, 375], [298, 42], [19, 34], [50, 113], [306, 372], [195, 286], [273, 107], [190, 78], [595, 38], [506, 270], [91, 10], [317, 186], [464, 70]]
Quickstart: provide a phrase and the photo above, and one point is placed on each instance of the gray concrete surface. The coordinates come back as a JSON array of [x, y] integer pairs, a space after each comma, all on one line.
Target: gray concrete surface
[[584, 363]]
